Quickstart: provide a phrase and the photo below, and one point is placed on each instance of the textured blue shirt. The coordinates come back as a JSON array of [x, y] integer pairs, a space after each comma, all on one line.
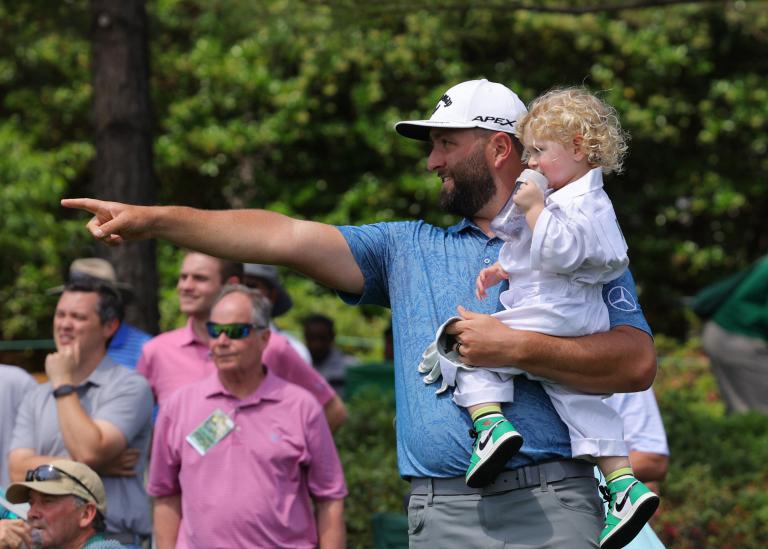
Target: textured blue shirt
[[422, 273], [125, 347]]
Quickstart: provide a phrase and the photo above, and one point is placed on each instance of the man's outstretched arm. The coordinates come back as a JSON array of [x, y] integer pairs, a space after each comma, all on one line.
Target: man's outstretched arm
[[254, 236], [618, 361]]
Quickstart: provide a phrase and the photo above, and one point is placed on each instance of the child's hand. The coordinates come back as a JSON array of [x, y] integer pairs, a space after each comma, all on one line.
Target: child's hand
[[489, 277], [528, 195]]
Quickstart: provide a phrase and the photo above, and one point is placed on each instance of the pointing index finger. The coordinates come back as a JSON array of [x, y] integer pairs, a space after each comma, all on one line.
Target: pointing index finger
[[87, 204]]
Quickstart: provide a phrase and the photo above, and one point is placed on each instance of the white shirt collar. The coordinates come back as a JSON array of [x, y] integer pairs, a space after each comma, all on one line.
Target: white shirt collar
[[589, 182]]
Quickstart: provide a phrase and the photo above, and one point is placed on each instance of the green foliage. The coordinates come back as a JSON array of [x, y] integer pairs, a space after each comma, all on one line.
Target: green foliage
[[289, 105], [714, 495], [366, 445]]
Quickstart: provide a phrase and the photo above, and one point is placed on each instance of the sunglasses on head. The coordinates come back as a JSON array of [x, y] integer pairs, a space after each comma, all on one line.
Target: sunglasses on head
[[235, 330], [49, 472]]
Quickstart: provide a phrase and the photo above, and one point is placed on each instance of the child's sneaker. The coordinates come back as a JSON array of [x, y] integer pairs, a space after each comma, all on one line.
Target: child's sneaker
[[631, 505], [496, 440]]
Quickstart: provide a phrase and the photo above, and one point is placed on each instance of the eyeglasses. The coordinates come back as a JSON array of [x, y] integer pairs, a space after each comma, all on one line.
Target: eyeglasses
[[49, 472], [236, 330]]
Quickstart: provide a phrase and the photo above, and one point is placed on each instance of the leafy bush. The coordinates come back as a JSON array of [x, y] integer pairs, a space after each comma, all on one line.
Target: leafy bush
[[715, 493], [366, 444]]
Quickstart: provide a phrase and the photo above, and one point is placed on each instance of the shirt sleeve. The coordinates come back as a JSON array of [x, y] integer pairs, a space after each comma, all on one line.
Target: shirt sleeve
[[624, 309], [643, 426], [370, 246], [590, 248], [24, 431], [127, 405], [325, 476], [165, 461], [282, 359]]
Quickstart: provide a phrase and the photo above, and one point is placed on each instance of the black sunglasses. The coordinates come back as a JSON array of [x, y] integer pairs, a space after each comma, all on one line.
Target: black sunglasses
[[236, 330], [49, 472]]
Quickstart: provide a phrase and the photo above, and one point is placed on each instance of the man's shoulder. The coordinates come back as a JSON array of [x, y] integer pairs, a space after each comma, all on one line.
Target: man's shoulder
[[288, 391], [119, 378], [14, 376], [136, 334], [191, 392], [390, 227], [166, 340]]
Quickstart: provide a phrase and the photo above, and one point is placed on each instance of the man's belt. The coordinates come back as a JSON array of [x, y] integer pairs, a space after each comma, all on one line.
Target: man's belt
[[523, 477]]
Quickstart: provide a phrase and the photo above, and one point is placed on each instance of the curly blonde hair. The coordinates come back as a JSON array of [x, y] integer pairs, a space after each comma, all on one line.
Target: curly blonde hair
[[562, 114]]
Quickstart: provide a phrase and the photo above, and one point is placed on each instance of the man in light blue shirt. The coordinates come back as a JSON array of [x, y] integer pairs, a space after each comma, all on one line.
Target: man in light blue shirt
[[423, 273]]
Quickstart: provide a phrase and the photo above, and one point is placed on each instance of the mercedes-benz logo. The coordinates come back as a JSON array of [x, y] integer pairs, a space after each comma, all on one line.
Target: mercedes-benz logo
[[622, 299]]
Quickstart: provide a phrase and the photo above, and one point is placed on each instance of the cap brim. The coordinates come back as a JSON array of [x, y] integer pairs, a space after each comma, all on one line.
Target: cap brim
[[18, 492], [419, 129]]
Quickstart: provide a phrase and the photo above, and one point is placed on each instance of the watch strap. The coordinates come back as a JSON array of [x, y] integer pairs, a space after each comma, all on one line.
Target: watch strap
[[64, 390]]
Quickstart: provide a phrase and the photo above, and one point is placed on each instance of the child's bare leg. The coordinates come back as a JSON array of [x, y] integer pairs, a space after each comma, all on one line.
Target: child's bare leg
[[611, 464], [477, 410]]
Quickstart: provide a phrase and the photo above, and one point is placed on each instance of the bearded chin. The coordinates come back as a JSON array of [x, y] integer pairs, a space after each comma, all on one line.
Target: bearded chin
[[470, 192], [458, 203]]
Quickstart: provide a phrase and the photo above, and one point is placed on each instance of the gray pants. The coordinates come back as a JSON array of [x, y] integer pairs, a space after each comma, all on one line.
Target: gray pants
[[740, 365], [566, 513]]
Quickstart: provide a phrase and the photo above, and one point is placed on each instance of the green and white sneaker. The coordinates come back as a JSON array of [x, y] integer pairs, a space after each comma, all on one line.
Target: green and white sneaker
[[496, 440], [631, 505]]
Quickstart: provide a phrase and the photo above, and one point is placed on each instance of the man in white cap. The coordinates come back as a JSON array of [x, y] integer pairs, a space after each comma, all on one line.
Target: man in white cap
[[267, 279], [125, 346], [68, 506], [420, 271]]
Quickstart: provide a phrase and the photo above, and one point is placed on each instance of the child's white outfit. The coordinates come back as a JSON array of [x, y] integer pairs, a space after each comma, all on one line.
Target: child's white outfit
[[556, 276]]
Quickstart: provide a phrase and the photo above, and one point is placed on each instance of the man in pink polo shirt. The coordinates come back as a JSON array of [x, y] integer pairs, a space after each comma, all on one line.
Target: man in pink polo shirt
[[244, 457], [174, 359]]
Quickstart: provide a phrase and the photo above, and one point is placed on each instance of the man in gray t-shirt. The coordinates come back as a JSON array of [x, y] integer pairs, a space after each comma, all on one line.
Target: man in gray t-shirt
[[91, 410]]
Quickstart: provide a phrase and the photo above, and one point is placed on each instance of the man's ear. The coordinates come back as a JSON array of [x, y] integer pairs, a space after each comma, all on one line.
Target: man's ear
[[110, 327], [501, 148], [87, 515]]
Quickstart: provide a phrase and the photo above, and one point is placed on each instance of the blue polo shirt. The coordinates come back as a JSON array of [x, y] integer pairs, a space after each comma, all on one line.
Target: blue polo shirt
[[422, 273], [126, 345]]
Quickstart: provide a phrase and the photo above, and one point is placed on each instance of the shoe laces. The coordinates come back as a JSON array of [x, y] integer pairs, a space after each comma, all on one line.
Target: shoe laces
[[605, 492]]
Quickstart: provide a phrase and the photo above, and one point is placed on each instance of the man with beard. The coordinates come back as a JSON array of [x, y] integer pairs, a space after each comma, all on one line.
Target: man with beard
[[546, 498]]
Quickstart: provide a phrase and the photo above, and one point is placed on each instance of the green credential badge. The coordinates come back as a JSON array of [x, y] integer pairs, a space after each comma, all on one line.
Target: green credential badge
[[210, 432]]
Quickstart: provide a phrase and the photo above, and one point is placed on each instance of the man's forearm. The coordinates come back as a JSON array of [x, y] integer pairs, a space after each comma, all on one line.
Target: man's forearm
[[84, 439], [317, 250], [331, 531], [649, 466], [620, 360], [335, 413], [20, 462], [167, 520]]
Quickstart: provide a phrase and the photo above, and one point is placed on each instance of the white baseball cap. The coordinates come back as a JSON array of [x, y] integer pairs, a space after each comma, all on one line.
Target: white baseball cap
[[471, 104]]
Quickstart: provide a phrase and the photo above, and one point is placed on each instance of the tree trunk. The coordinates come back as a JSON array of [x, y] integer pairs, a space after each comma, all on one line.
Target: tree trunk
[[122, 117]]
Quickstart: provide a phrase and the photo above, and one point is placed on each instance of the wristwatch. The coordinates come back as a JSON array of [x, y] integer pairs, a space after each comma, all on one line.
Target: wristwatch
[[63, 390]]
